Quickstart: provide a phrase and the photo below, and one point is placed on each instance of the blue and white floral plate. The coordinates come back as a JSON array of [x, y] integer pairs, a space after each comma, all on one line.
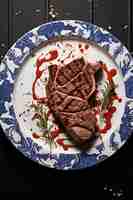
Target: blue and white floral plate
[[17, 73]]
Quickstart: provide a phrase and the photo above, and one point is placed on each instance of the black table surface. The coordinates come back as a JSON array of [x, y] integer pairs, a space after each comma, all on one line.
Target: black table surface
[[18, 174]]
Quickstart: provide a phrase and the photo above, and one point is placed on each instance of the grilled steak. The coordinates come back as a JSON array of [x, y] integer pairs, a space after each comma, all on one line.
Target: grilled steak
[[68, 90]]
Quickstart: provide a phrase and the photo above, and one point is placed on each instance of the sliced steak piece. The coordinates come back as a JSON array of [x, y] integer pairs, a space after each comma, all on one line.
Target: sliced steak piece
[[68, 91], [80, 126]]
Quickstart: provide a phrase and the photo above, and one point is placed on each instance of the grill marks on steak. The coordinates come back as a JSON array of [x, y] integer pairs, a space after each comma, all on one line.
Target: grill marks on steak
[[67, 73], [81, 82], [64, 103], [68, 90]]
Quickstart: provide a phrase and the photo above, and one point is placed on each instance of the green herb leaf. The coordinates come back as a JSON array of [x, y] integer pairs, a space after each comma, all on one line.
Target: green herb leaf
[[42, 123], [108, 91], [101, 120]]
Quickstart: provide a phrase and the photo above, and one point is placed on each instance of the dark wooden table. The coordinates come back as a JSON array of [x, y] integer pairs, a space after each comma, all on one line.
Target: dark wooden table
[[17, 173]]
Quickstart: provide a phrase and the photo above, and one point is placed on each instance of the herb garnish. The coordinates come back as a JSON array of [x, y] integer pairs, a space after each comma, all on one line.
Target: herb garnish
[[41, 117]]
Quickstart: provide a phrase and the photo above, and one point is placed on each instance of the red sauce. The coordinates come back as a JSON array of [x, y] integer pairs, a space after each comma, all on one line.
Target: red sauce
[[60, 141], [107, 117], [111, 109], [82, 50], [35, 135], [40, 60], [110, 73], [55, 133], [116, 98]]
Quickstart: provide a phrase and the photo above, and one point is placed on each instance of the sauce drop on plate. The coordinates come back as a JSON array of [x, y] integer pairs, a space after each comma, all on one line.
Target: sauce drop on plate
[[35, 135], [61, 142]]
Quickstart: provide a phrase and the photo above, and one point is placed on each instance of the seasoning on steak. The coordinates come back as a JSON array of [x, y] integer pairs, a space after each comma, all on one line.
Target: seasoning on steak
[[68, 91]]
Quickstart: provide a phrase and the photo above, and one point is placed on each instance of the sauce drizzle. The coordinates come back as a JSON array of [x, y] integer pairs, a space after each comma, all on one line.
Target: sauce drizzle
[[35, 135], [52, 55], [110, 73], [55, 133], [107, 115], [61, 142]]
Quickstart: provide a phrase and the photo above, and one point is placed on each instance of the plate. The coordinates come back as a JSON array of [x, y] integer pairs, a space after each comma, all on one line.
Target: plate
[[21, 103]]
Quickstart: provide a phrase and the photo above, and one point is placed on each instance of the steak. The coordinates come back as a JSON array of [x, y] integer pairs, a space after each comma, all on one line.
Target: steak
[[68, 90]]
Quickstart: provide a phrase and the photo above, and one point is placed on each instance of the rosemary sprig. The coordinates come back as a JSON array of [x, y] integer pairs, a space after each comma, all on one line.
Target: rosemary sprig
[[108, 92], [42, 122]]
